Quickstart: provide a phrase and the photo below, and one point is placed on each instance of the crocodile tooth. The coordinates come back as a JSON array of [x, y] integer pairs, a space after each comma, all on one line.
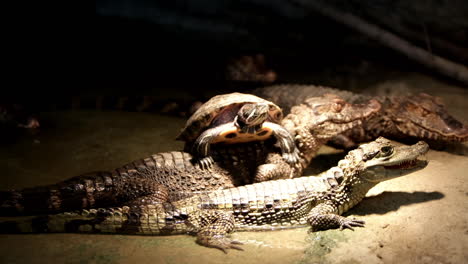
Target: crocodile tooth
[[343, 163]]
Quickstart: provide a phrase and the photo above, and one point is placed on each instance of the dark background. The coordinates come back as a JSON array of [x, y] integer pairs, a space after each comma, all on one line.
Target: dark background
[[158, 44], [179, 50]]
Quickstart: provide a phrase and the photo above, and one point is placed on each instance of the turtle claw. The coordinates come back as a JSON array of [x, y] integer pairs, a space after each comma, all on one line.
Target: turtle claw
[[206, 163], [291, 158]]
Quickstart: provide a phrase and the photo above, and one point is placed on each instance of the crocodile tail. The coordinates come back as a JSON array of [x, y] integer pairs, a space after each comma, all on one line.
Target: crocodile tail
[[31, 201], [84, 191], [76, 222], [37, 224], [119, 220]]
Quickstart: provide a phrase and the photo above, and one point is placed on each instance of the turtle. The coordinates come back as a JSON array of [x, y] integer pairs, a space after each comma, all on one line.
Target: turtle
[[236, 118]]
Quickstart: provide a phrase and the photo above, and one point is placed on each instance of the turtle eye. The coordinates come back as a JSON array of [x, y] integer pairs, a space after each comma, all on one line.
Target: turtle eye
[[246, 110], [247, 116], [386, 150]]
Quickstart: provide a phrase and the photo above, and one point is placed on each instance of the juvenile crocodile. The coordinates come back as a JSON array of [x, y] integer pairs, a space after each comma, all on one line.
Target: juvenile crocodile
[[315, 201], [175, 172], [419, 116], [160, 174], [312, 124]]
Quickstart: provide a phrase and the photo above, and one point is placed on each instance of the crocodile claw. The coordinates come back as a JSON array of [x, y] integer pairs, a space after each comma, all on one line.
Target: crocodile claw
[[347, 223], [206, 163], [221, 243]]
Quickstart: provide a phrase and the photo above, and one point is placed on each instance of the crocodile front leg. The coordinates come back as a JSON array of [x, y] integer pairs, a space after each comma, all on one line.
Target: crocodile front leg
[[212, 229], [276, 168], [323, 217]]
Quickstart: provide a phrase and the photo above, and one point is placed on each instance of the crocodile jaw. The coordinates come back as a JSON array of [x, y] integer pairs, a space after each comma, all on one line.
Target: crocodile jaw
[[383, 173], [405, 160], [426, 117]]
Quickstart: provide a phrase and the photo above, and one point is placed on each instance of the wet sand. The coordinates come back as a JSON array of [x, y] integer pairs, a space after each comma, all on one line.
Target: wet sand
[[420, 218]]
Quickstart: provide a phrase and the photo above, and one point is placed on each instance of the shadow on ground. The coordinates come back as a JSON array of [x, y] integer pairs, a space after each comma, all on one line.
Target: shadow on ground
[[392, 201]]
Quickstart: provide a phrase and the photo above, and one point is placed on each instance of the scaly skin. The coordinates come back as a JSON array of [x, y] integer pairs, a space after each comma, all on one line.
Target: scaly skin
[[419, 116], [317, 201], [312, 124], [164, 174], [319, 119]]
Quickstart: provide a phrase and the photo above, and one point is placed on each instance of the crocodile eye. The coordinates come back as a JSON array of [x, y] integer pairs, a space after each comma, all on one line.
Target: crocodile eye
[[387, 150], [370, 155], [425, 113], [337, 106], [278, 116]]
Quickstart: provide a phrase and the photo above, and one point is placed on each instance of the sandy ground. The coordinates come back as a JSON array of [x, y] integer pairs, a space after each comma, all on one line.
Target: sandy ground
[[420, 218]]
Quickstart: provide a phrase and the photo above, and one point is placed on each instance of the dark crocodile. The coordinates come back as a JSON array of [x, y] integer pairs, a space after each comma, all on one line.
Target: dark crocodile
[[419, 116], [167, 173], [315, 201], [312, 124], [160, 174]]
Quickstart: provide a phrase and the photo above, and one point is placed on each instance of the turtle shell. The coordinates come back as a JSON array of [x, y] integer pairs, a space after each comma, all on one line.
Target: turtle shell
[[204, 116]]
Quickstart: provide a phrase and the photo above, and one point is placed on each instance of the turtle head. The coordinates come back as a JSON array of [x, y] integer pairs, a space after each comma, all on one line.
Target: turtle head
[[252, 115]]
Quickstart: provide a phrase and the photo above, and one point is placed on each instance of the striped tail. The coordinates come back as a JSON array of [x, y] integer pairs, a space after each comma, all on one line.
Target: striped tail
[[121, 220], [76, 222], [84, 191]]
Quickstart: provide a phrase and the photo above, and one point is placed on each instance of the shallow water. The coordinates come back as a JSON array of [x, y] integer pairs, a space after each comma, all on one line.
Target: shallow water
[[420, 218]]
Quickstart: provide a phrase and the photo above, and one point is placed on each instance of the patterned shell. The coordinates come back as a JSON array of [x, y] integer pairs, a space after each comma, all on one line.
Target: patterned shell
[[202, 118]]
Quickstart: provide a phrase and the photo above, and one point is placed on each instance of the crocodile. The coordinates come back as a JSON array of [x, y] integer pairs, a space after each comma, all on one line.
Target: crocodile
[[175, 172], [312, 124], [419, 116], [316, 201]]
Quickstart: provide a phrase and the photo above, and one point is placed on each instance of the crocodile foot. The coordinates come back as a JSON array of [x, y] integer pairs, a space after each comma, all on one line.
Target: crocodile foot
[[324, 221], [220, 242], [347, 223]]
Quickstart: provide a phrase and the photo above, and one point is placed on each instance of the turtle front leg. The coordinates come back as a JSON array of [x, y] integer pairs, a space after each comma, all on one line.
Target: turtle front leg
[[286, 143], [212, 228], [201, 147], [323, 217]]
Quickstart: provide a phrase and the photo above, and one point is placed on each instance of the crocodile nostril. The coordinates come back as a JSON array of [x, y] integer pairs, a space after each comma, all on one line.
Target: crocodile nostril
[[231, 135]]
